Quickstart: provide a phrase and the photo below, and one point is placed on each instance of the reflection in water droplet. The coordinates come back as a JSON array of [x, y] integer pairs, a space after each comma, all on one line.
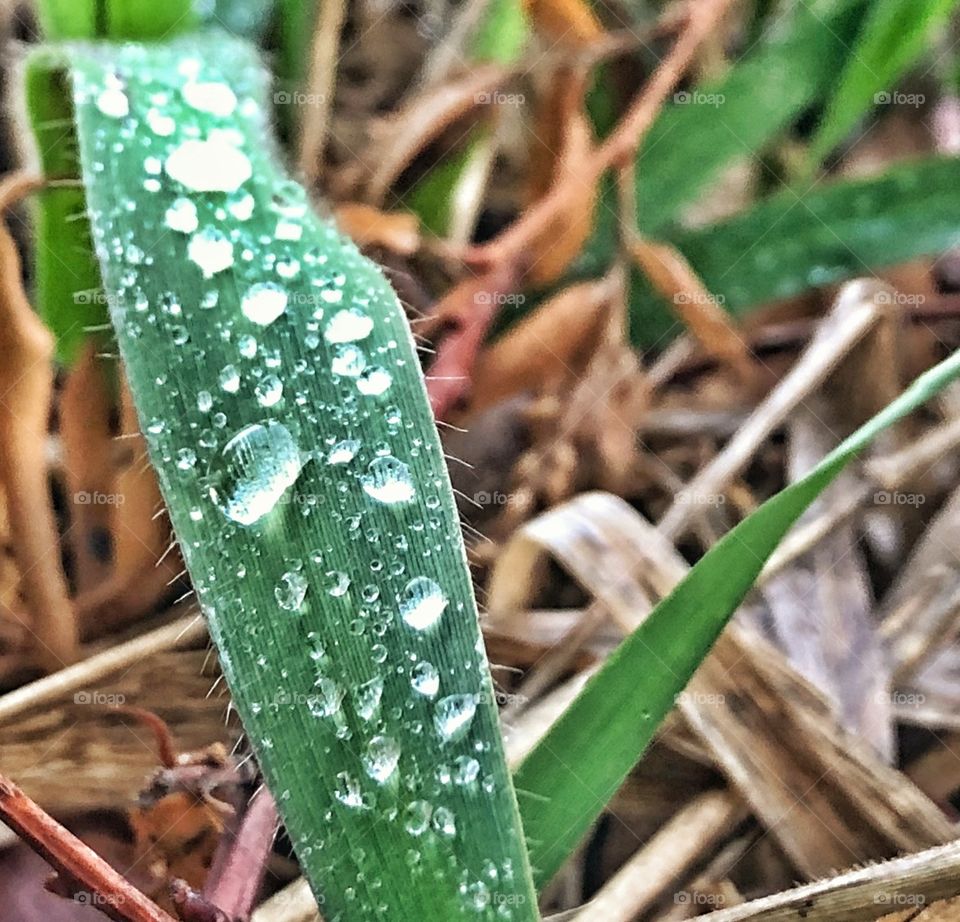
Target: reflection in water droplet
[[263, 303], [453, 716], [213, 165], [388, 481], [260, 463], [422, 603], [381, 758]]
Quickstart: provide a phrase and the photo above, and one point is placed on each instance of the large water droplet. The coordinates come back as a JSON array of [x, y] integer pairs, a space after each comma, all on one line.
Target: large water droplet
[[211, 251], [422, 603], [229, 379], [425, 679], [343, 452], [381, 758], [348, 360], [348, 326], [213, 165], [291, 591], [263, 303], [260, 463], [215, 98], [388, 481], [453, 716]]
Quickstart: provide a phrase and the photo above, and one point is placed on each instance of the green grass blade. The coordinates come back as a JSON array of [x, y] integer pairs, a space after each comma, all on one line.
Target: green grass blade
[[67, 288], [295, 448], [895, 34], [576, 768], [737, 116]]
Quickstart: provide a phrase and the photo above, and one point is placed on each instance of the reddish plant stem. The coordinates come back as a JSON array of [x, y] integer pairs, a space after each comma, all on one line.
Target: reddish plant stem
[[80, 867]]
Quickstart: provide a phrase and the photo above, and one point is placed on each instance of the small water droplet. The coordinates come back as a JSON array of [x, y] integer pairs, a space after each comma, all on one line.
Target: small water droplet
[[343, 452], [204, 401], [388, 481], [263, 303], [416, 819], [328, 699], [182, 216], [348, 361], [444, 822], [422, 603], [229, 379], [425, 679], [465, 770], [211, 251], [453, 716], [269, 391], [348, 326], [260, 463], [113, 102], [381, 758], [291, 591], [347, 791], [186, 459], [215, 98], [368, 698], [339, 583], [374, 381]]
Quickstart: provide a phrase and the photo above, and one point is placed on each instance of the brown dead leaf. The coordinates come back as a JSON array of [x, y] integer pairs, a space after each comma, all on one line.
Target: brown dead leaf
[[85, 408], [405, 134], [26, 388], [673, 277], [397, 231], [554, 341]]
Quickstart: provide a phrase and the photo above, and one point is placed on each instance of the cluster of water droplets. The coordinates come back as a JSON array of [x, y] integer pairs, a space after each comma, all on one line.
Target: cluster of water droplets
[[260, 292]]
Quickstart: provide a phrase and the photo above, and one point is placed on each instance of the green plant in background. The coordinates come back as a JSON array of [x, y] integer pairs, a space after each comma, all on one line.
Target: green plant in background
[[282, 401]]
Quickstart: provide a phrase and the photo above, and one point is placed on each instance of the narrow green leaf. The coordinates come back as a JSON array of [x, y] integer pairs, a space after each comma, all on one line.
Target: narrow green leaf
[[67, 288], [571, 775], [503, 32], [896, 33], [737, 116], [279, 390]]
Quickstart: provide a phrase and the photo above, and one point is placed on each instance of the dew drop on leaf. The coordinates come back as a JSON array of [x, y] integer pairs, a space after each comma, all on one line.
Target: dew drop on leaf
[[416, 819], [348, 326], [182, 216], [348, 360], [269, 391], [422, 603], [259, 464], [291, 591], [453, 716], [263, 303], [212, 165], [368, 698], [211, 251], [425, 679], [215, 98], [343, 452], [381, 757], [113, 102], [374, 381], [388, 481]]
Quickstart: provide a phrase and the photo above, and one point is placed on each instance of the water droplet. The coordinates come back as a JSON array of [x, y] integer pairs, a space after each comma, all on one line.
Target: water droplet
[[242, 208], [291, 591], [113, 102], [329, 698], [348, 361], [374, 381], [247, 346], [160, 124], [425, 679], [466, 769], [204, 401], [416, 818], [213, 165], [186, 459], [182, 216], [368, 698], [444, 822], [381, 758], [261, 462], [288, 230], [211, 251], [263, 303], [215, 98], [269, 391], [339, 583], [343, 452], [388, 481], [422, 603], [287, 267], [347, 791], [348, 326], [229, 379], [453, 716]]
